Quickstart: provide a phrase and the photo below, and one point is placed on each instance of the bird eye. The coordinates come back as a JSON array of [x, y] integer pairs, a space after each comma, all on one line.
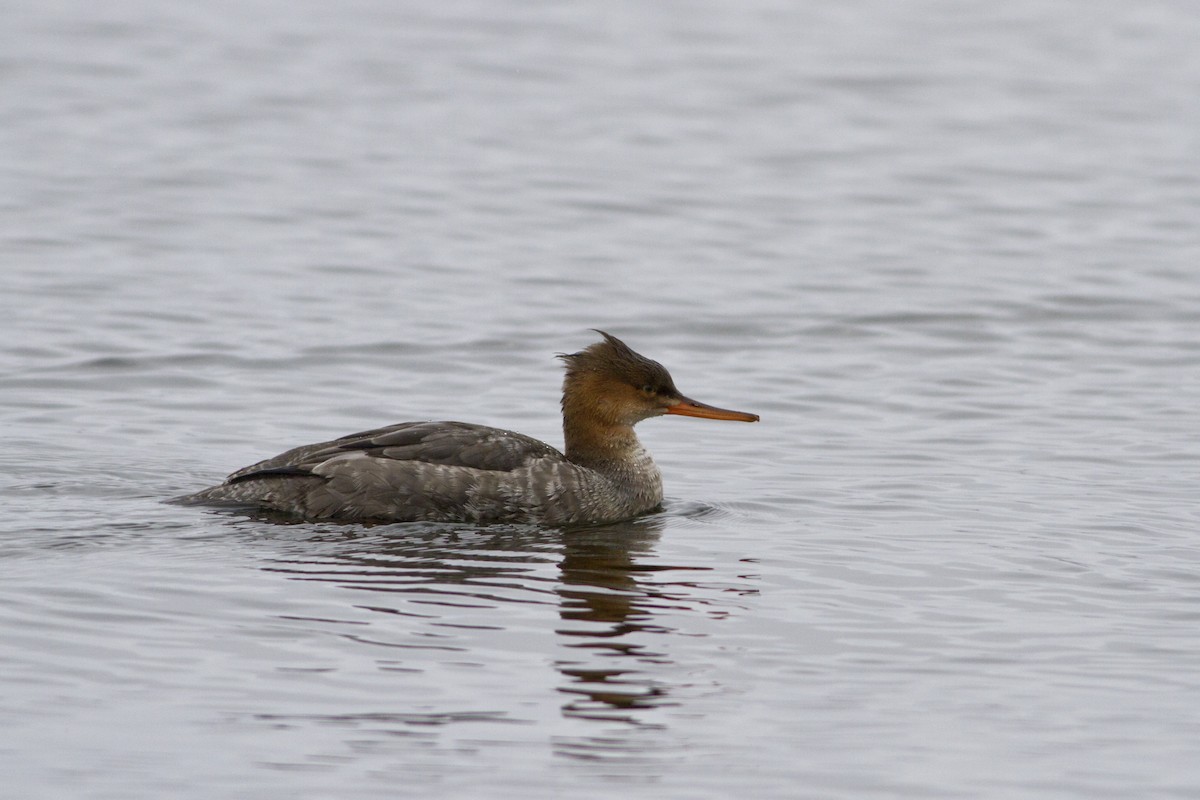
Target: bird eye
[[647, 388]]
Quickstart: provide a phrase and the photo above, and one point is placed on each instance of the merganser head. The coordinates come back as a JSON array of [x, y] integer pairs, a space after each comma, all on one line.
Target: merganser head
[[620, 386]]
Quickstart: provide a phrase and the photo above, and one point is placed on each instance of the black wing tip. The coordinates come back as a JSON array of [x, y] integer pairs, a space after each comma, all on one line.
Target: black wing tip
[[270, 472]]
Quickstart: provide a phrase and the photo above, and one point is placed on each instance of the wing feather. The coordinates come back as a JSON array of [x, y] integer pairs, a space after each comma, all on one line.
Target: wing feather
[[451, 444]]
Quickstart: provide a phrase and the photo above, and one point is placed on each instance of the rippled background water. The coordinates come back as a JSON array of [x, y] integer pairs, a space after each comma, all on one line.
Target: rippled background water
[[947, 250]]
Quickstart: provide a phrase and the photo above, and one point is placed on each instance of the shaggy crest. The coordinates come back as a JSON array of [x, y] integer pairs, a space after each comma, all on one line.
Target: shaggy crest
[[612, 357]]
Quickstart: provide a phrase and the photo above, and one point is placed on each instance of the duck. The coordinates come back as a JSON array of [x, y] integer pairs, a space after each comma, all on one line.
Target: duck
[[451, 471]]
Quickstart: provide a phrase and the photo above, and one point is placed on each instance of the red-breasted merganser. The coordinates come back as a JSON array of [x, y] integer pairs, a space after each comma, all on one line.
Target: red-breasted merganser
[[459, 472]]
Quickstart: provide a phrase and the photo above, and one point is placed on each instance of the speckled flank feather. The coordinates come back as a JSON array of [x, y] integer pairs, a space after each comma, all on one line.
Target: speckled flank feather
[[456, 471], [438, 471]]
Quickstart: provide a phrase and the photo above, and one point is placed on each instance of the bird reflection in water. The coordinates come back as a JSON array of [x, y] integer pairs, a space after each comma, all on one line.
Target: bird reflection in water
[[606, 603], [450, 580]]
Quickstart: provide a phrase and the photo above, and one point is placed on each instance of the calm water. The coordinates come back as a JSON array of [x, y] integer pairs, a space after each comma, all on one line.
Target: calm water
[[948, 251]]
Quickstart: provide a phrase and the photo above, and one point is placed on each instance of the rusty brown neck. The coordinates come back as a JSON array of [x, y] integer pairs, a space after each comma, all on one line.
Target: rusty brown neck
[[593, 435]]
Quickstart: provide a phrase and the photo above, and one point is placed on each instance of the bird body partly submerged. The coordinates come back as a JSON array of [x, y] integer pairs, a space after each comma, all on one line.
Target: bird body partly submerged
[[456, 471]]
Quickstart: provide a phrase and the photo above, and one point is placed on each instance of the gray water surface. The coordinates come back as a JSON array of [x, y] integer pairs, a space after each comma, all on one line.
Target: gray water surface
[[948, 251]]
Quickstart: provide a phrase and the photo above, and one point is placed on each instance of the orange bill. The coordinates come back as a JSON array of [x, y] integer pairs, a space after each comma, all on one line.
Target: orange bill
[[690, 408]]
